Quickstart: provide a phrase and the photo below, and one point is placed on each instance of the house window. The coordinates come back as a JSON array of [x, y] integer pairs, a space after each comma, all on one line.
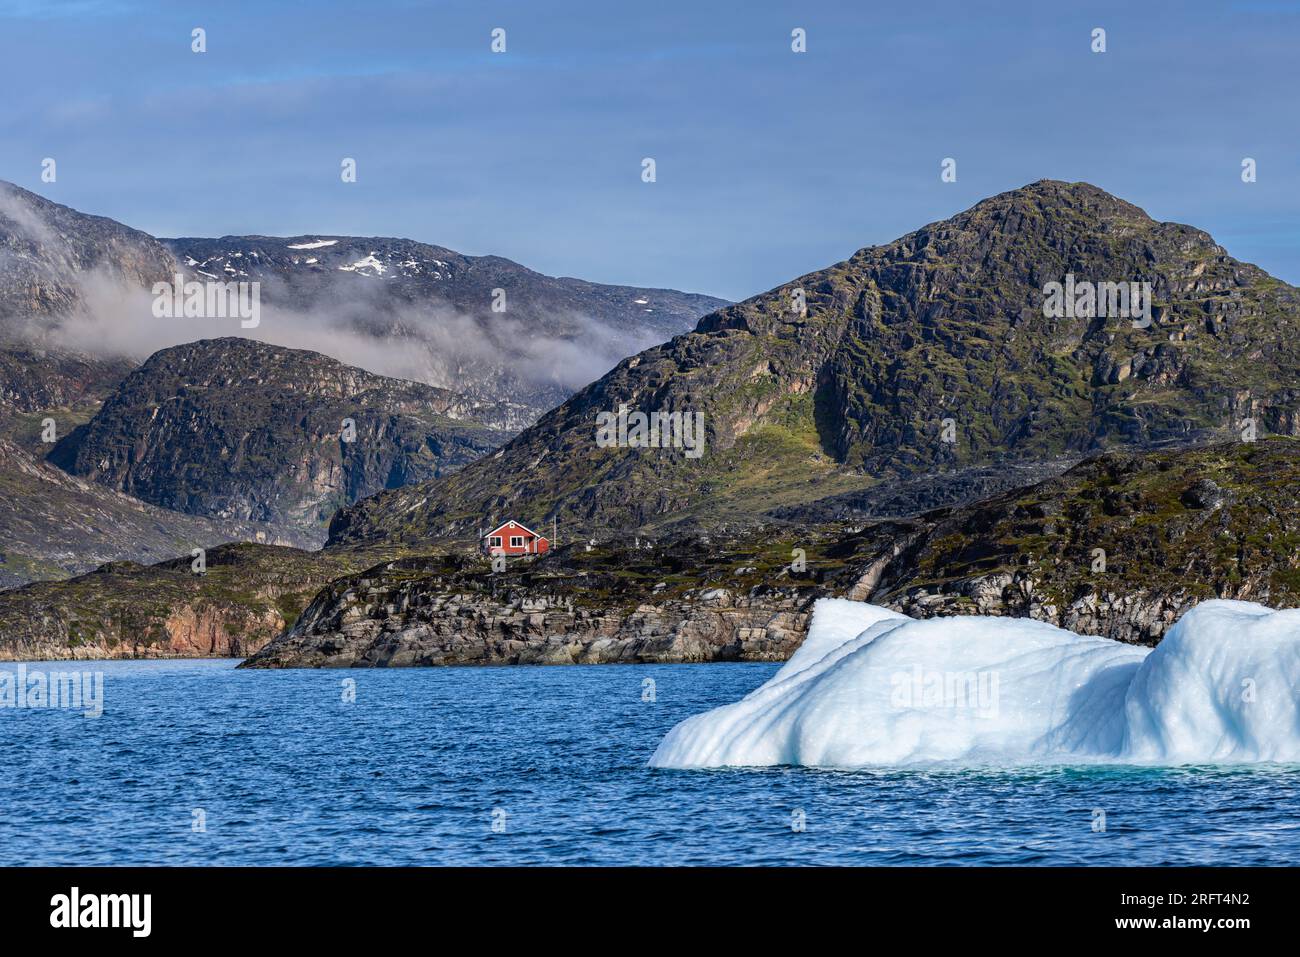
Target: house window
[[516, 541], [494, 541]]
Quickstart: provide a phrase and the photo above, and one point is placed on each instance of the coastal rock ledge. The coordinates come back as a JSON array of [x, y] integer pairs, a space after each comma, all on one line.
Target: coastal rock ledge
[[377, 626]]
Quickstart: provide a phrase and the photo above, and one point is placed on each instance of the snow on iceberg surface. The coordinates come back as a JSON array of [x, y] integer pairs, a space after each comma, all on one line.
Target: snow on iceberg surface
[[872, 687]]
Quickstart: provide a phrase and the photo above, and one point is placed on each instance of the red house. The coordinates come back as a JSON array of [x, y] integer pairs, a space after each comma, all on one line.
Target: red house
[[513, 538]]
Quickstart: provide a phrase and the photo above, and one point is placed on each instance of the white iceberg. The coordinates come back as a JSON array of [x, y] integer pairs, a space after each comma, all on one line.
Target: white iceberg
[[872, 687]]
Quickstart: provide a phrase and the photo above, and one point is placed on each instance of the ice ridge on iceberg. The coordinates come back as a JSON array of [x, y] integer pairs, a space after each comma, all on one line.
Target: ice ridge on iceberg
[[872, 687]]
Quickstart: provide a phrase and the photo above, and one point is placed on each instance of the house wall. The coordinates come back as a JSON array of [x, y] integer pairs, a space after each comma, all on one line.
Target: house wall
[[506, 532]]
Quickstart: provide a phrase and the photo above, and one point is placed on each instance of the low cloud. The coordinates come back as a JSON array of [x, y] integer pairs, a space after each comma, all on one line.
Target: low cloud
[[427, 342], [20, 218]]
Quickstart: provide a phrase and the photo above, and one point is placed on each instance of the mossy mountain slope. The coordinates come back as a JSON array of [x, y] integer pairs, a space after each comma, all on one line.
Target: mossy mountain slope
[[946, 323]]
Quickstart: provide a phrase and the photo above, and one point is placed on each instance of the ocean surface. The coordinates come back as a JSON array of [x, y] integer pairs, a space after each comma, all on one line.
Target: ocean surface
[[194, 762]]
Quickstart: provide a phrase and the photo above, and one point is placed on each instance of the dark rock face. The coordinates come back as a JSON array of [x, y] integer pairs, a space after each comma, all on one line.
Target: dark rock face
[[927, 356], [237, 429], [1204, 493], [703, 601], [1110, 547]]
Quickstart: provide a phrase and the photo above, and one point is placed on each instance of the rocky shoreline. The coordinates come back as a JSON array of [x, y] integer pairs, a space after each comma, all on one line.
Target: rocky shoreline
[[450, 630], [1121, 545]]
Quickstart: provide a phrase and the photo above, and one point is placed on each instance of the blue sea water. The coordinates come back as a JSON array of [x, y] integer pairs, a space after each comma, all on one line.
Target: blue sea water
[[422, 765]]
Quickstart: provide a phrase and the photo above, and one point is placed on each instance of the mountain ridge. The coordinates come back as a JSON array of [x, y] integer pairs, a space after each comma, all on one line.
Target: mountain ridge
[[383, 300]]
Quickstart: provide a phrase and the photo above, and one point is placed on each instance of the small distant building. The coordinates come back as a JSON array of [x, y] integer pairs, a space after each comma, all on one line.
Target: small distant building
[[514, 538]]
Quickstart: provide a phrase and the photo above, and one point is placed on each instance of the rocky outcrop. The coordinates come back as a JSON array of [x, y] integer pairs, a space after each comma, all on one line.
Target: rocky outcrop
[[1120, 545], [460, 629], [711, 598], [1139, 618]]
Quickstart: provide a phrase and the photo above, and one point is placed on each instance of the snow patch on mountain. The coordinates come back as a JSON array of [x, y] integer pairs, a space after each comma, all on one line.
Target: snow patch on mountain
[[369, 262]]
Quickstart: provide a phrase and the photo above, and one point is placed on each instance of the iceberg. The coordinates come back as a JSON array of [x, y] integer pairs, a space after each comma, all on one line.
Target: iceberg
[[871, 687]]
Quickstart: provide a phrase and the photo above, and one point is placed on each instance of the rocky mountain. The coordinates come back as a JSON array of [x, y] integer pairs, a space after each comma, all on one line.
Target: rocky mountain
[[307, 269], [931, 355], [1120, 545], [53, 525], [234, 429], [481, 325]]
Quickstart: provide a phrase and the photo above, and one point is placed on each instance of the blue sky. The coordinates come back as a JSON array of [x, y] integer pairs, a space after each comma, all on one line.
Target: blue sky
[[770, 163]]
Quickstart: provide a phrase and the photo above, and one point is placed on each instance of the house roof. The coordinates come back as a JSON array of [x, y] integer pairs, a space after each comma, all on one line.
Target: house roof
[[511, 521]]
